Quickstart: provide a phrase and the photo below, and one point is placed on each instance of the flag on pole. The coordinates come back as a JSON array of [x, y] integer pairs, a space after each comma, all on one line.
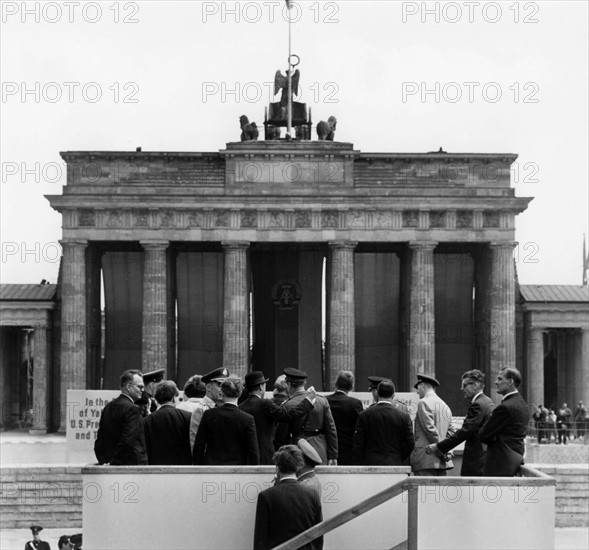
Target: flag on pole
[[585, 262]]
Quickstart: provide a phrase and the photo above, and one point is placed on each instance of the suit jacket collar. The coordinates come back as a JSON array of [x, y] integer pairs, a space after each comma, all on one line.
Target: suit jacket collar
[[476, 396], [509, 395], [288, 480]]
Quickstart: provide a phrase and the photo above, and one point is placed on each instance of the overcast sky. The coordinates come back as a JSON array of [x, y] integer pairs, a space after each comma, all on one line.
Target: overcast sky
[[471, 77]]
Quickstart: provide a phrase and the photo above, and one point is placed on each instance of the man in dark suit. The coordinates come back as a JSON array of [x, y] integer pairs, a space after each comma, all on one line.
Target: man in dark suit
[[120, 440], [266, 413], [506, 428], [384, 434], [288, 508], [167, 430], [481, 406], [227, 436], [345, 411]]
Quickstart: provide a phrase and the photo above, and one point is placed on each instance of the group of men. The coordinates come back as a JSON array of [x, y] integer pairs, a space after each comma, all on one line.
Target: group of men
[[65, 542], [215, 425]]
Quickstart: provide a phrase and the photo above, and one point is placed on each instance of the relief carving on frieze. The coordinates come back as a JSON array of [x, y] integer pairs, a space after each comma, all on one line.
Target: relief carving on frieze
[[196, 219], [410, 218], [221, 218], [383, 220], [276, 219], [437, 219], [141, 218], [329, 218], [302, 219], [166, 218], [249, 218], [490, 219], [115, 219], [87, 218], [464, 219], [356, 219]]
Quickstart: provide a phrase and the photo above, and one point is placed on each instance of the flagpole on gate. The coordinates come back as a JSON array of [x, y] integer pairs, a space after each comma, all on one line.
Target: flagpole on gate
[[289, 106]]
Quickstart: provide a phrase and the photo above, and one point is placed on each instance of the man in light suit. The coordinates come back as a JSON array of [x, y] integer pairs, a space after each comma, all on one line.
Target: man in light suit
[[506, 428], [481, 406], [120, 439], [345, 411], [432, 424], [167, 436], [227, 436], [288, 508]]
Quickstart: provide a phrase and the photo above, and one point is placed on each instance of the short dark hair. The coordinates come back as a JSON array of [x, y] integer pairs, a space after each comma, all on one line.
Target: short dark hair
[[194, 387], [232, 387], [513, 374], [476, 375], [289, 459], [128, 375], [345, 380], [165, 391], [64, 539], [386, 389]]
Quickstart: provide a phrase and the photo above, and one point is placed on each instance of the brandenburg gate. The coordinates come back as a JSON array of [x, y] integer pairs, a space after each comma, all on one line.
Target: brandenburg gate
[[287, 253]]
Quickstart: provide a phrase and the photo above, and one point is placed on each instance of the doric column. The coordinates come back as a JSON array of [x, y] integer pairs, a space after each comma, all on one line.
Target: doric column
[[501, 301], [580, 370], [41, 363], [155, 308], [235, 308], [534, 367], [421, 332], [341, 336], [73, 322]]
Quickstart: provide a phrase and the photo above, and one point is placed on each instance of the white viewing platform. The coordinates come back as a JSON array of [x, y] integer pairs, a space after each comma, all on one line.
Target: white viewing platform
[[196, 507]]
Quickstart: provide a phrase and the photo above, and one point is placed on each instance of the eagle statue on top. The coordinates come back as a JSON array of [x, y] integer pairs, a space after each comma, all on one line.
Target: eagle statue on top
[[281, 83]]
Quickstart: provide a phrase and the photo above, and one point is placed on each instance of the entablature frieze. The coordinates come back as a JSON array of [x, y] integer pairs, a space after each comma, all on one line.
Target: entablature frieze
[[288, 218]]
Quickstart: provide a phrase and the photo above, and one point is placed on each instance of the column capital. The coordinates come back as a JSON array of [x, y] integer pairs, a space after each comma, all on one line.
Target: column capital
[[235, 245], [507, 245], [73, 242], [343, 244], [422, 245], [154, 245]]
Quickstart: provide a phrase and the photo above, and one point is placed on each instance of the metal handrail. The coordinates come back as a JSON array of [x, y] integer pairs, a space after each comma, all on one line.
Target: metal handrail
[[410, 485]]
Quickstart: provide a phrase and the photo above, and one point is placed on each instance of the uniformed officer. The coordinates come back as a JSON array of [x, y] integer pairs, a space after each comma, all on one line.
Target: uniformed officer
[[306, 476], [317, 427], [37, 543], [150, 379]]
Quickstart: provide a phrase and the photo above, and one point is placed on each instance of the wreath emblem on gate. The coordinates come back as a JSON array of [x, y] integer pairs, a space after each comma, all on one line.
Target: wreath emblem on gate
[[286, 294]]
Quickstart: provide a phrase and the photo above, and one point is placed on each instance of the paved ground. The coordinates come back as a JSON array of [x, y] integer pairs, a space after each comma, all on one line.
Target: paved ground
[[14, 539], [23, 448]]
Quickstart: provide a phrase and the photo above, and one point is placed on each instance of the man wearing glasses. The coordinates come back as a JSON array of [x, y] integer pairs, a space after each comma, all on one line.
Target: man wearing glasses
[[479, 411], [120, 439]]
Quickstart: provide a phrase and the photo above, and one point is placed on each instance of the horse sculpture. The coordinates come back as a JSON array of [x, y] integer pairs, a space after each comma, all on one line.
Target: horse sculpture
[[249, 130], [326, 130]]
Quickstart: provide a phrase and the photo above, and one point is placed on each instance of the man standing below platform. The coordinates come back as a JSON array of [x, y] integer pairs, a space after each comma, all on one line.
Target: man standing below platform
[[345, 411], [432, 424], [212, 398], [317, 427], [506, 429], [384, 434], [288, 508], [479, 410], [37, 543], [150, 380], [120, 440]]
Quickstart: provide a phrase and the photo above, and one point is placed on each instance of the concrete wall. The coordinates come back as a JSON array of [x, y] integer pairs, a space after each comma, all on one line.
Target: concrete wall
[[206, 508]]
